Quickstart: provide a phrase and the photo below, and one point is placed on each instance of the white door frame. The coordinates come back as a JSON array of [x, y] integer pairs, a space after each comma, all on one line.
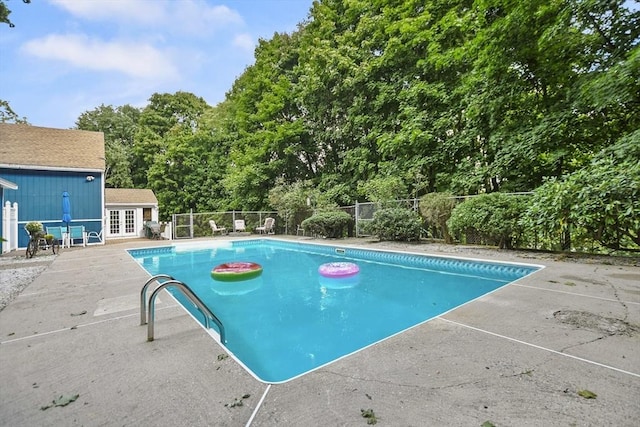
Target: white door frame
[[122, 222]]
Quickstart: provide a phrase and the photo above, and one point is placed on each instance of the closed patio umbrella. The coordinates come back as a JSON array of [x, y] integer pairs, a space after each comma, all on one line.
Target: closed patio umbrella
[[66, 208]]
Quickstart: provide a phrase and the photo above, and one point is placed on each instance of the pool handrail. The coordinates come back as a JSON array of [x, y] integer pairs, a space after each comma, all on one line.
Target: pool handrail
[[143, 295], [186, 290]]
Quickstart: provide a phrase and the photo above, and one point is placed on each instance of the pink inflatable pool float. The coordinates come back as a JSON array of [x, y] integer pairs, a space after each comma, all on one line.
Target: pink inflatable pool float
[[337, 270]]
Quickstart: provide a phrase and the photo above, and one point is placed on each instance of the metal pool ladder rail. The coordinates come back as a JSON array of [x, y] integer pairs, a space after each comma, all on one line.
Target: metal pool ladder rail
[[186, 291]]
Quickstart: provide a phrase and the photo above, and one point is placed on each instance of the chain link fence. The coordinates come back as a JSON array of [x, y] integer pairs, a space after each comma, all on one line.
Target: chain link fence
[[192, 225]]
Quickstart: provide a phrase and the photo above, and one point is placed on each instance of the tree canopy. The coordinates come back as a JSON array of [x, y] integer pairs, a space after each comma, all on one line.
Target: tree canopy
[[461, 96]]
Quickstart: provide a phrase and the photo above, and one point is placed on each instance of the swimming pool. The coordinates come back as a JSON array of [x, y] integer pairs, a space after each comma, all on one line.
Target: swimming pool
[[291, 320]]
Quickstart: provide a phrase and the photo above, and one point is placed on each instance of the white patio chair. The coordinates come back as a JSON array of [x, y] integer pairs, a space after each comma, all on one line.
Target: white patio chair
[[268, 226], [215, 229], [239, 225]]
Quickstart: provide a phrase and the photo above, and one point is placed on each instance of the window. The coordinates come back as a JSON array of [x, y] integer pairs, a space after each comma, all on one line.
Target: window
[[114, 222], [129, 221]]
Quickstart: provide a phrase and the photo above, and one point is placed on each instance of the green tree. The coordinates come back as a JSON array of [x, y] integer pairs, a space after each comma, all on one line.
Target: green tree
[[7, 115], [5, 12], [165, 113], [292, 201], [525, 100], [119, 126], [188, 173], [383, 190], [269, 139]]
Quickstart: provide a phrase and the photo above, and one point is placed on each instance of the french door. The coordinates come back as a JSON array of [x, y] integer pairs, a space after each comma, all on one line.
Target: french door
[[122, 223]]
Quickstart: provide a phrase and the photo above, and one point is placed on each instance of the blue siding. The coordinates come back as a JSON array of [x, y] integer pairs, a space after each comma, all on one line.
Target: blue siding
[[39, 197]]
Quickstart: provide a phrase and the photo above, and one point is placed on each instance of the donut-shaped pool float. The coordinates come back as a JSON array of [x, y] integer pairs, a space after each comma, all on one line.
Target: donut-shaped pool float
[[235, 271], [338, 270]]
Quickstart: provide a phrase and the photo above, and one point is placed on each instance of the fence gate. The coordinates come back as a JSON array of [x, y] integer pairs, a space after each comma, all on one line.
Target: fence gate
[[9, 227]]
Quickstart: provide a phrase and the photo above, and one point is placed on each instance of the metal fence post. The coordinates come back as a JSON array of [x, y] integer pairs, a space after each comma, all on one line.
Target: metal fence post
[[173, 226], [191, 222], [357, 217]]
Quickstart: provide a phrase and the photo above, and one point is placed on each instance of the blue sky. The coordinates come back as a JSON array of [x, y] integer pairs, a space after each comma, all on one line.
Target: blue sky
[[65, 57]]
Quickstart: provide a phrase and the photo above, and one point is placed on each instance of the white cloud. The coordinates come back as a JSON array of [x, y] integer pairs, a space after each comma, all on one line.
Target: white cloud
[[146, 12], [244, 42], [134, 59], [197, 17], [184, 16]]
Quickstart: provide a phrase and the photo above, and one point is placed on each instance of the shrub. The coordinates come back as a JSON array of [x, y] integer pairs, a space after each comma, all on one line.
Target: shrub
[[396, 224], [330, 224], [594, 208], [607, 204], [598, 205], [436, 209], [492, 217], [547, 216]]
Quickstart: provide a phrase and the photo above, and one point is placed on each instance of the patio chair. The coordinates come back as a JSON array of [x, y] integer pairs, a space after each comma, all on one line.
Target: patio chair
[[268, 226], [76, 232], [94, 235], [239, 225], [59, 234], [215, 228]]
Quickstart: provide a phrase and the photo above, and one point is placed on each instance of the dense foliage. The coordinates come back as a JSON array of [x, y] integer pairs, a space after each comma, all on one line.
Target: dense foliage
[[492, 219], [436, 210], [290, 201], [380, 98], [119, 126], [592, 208], [332, 224], [396, 224]]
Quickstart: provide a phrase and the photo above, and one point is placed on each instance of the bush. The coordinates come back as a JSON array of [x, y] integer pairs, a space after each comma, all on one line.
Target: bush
[[436, 209], [491, 217], [330, 224], [396, 224], [594, 208]]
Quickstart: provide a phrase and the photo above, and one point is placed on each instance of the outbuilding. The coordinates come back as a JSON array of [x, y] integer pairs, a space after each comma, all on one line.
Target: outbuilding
[[128, 210], [39, 164]]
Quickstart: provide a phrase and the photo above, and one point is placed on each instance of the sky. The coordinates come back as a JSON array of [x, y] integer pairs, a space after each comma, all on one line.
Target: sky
[[65, 57]]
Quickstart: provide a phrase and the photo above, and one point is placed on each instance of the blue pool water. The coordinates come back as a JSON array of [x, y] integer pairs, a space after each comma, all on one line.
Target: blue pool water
[[291, 320]]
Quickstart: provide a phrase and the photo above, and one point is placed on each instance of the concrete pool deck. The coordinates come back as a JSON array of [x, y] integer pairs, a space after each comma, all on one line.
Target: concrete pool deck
[[520, 356]]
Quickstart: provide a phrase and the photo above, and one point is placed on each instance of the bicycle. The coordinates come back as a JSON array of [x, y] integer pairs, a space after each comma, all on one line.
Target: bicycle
[[38, 242]]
